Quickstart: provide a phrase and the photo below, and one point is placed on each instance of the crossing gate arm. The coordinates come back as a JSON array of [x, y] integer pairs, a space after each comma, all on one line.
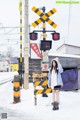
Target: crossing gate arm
[[43, 82], [42, 91], [40, 83], [45, 90]]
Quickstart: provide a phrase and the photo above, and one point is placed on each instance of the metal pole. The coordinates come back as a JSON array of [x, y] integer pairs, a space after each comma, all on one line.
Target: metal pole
[[26, 48], [20, 60], [44, 26], [44, 32], [44, 39]]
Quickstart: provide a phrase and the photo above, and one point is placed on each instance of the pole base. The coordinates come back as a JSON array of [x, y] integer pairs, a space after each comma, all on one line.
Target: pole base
[[16, 102]]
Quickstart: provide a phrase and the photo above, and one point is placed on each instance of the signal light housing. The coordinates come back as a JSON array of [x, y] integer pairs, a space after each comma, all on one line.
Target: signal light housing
[[45, 45], [55, 36], [33, 36]]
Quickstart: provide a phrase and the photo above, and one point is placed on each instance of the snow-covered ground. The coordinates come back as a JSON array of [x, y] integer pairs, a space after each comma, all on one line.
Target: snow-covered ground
[[26, 110], [6, 76]]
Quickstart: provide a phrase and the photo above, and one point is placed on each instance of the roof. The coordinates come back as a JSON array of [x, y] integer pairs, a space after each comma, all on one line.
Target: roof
[[68, 45], [64, 55]]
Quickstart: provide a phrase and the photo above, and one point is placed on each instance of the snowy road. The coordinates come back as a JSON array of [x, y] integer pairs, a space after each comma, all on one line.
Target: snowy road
[[26, 110]]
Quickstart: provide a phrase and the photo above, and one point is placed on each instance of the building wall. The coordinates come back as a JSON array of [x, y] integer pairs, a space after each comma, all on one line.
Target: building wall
[[14, 67], [79, 78], [72, 50], [67, 62], [34, 66]]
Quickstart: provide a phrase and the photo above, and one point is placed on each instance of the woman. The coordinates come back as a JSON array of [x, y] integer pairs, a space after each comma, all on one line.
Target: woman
[[55, 81]]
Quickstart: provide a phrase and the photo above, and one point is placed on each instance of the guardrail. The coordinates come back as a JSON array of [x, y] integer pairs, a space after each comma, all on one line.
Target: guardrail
[[6, 80]]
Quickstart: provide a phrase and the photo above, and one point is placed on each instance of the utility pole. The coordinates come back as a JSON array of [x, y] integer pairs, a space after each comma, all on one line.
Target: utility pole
[[26, 47]]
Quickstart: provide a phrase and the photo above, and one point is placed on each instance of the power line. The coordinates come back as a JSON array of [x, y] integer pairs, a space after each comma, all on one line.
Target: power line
[[11, 27], [10, 30], [9, 39], [9, 44], [10, 34]]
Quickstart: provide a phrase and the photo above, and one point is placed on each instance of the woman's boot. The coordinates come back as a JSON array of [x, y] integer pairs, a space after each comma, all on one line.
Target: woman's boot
[[55, 106]]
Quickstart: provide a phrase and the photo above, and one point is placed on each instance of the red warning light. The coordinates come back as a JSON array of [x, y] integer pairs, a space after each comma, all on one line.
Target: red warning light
[[55, 36]]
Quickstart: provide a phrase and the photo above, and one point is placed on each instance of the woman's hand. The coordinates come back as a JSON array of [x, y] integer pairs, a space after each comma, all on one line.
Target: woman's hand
[[49, 86]]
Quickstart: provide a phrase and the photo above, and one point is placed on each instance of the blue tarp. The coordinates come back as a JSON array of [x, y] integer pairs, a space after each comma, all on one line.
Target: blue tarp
[[70, 79]]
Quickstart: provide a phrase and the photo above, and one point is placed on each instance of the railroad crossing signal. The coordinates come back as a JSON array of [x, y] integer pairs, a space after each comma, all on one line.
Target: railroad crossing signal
[[55, 36], [33, 36], [45, 45], [44, 17]]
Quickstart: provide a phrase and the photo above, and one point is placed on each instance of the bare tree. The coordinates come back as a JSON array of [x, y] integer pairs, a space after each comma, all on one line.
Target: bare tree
[[9, 52]]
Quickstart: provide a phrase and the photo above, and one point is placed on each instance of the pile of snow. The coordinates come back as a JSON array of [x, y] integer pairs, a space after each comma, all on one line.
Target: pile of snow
[[64, 55], [6, 76]]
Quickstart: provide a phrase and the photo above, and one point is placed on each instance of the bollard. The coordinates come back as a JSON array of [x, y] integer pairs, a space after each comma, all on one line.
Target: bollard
[[16, 88]]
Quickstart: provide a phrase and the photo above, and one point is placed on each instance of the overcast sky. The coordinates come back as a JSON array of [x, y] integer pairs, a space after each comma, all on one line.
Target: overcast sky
[[67, 18]]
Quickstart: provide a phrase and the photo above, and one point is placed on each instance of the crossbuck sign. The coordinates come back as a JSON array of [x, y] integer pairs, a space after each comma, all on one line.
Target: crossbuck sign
[[44, 17]]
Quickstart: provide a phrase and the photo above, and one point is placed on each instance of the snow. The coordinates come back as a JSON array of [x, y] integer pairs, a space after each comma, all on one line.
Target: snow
[[26, 110], [64, 55], [6, 76]]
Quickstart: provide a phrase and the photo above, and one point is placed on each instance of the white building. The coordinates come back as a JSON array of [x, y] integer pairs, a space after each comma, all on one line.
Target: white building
[[69, 49], [4, 66]]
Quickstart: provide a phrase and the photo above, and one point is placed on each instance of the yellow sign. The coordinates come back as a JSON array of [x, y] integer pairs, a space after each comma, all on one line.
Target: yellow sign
[[42, 83], [44, 17], [42, 91], [14, 67]]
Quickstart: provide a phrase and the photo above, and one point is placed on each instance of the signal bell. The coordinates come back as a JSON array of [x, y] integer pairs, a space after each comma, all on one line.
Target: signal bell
[[55, 36], [33, 36]]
